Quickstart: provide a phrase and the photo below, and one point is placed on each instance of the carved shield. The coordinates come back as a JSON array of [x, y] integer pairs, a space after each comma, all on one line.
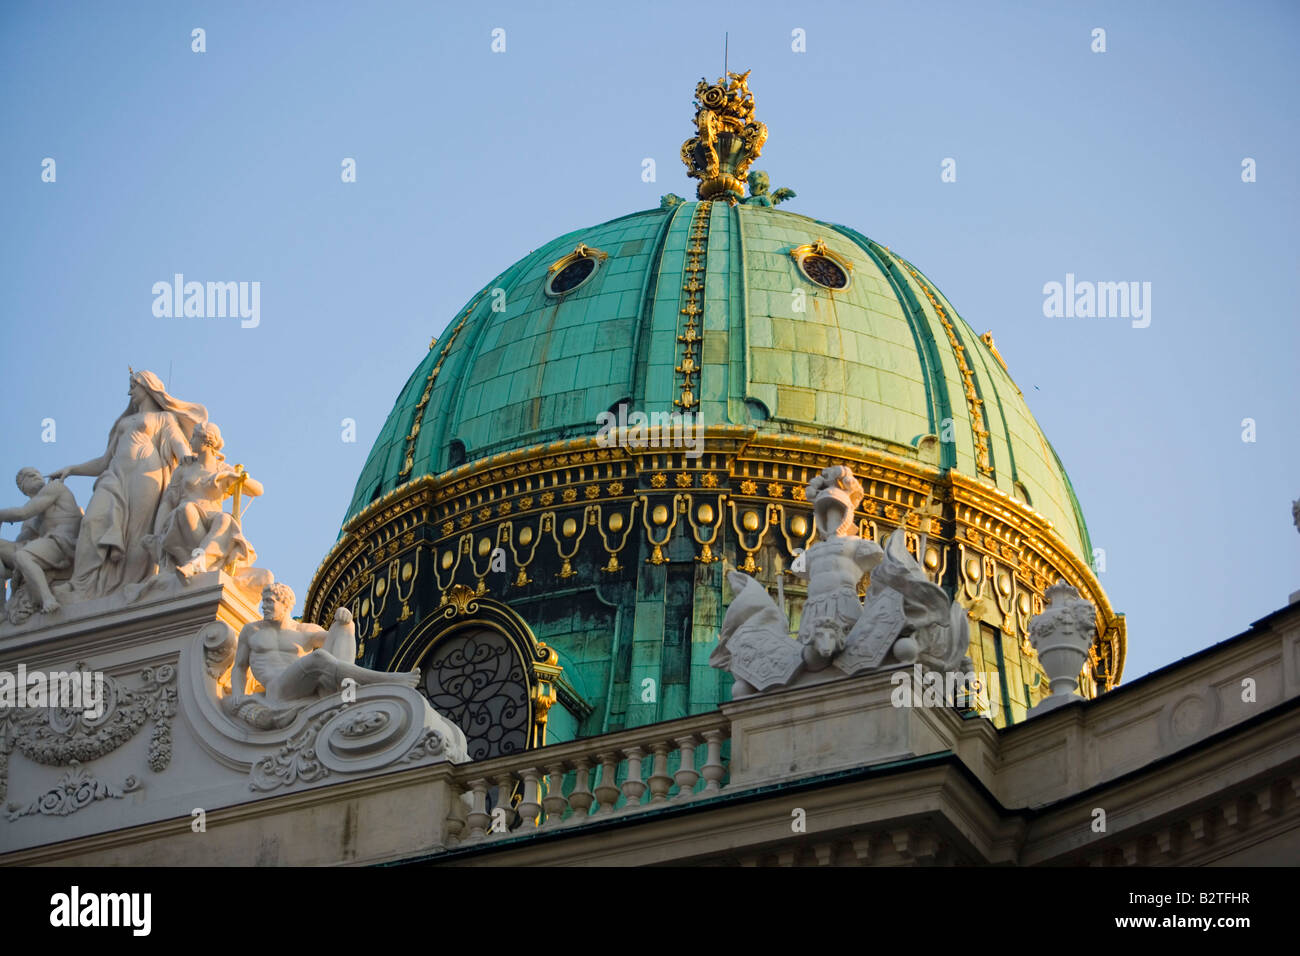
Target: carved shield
[[875, 631]]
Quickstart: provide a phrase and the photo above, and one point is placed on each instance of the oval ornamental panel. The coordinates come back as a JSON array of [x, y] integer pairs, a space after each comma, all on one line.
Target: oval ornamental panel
[[476, 679]]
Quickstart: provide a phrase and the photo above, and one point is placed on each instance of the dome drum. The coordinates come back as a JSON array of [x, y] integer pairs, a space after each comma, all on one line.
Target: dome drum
[[614, 558]]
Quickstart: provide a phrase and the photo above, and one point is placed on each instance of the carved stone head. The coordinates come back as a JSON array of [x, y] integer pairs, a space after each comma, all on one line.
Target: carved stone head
[[206, 434], [29, 481], [277, 601], [835, 494], [828, 638]]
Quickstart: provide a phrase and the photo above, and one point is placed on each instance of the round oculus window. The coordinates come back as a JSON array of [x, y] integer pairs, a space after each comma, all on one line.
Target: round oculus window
[[571, 276], [824, 271]]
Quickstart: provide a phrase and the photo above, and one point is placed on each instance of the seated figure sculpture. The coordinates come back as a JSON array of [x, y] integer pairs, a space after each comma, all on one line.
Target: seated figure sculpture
[[193, 533], [297, 664], [45, 545]]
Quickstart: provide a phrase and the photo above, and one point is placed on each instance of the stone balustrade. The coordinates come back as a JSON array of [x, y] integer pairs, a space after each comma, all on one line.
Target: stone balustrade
[[569, 784]]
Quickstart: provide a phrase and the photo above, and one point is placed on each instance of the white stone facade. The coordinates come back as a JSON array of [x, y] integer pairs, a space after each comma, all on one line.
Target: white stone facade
[[1196, 763]]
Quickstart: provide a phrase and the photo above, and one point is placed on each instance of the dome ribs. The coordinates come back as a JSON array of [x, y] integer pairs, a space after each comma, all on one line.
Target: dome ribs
[[974, 396], [936, 392]]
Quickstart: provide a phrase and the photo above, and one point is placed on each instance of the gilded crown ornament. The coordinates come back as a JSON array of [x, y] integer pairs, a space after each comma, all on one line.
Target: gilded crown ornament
[[728, 138]]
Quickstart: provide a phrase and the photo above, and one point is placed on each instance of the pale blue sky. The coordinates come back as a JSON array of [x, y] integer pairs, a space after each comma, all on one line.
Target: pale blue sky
[[1122, 166]]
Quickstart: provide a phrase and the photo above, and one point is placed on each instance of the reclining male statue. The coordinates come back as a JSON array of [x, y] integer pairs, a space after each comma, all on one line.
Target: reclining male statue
[[297, 664]]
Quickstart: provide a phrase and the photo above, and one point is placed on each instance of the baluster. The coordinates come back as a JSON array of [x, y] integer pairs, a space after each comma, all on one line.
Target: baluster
[[554, 803], [478, 817], [687, 776], [454, 824], [606, 792], [633, 787], [581, 799], [529, 805], [714, 769], [660, 782], [505, 787]]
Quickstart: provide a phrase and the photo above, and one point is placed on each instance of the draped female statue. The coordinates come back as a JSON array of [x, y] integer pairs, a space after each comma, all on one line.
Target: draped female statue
[[145, 444]]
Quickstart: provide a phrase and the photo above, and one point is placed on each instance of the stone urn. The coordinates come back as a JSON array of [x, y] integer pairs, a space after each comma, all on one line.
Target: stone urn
[[1061, 636]]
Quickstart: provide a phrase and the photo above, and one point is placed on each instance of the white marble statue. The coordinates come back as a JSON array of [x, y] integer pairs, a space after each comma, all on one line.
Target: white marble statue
[[145, 444], [833, 566], [906, 614], [192, 532], [297, 664], [754, 645], [154, 523], [44, 547], [906, 619]]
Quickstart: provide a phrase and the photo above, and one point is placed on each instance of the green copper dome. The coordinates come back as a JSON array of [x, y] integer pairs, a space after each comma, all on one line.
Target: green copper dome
[[883, 361]]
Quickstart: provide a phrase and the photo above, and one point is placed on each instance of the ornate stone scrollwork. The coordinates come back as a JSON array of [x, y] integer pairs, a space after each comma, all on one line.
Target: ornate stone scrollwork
[[284, 700], [296, 760], [59, 737], [387, 725], [75, 789], [434, 743]]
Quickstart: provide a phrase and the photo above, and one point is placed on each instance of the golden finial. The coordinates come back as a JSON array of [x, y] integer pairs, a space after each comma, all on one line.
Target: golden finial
[[728, 138]]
